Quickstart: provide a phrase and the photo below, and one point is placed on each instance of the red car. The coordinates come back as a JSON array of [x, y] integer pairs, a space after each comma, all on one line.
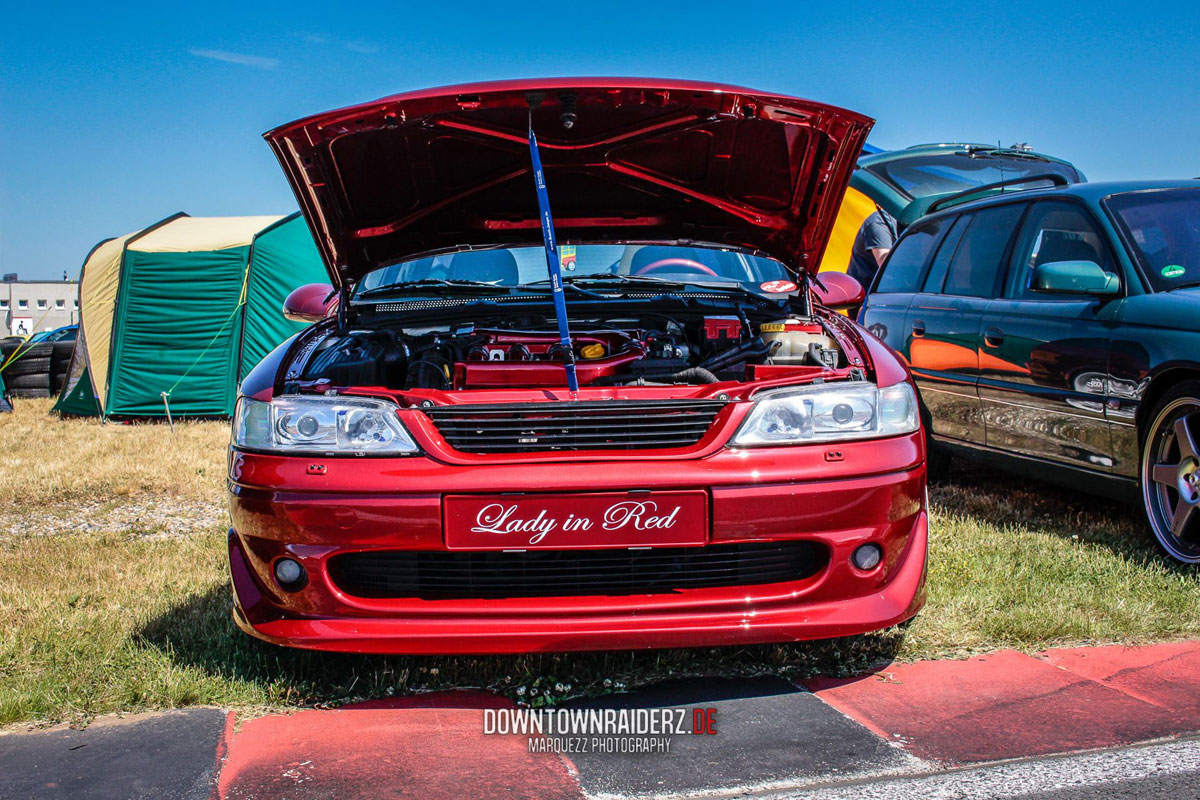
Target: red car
[[656, 433]]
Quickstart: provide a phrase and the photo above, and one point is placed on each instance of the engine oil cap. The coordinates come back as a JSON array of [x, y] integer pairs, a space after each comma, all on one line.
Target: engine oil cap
[[592, 351]]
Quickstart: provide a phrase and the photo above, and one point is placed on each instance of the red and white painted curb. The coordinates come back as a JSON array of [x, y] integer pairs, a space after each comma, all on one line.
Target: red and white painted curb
[[1010, 705], [427, 746], [916, 719]]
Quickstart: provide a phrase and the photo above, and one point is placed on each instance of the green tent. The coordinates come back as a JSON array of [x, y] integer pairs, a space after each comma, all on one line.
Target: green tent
[[187, 307]]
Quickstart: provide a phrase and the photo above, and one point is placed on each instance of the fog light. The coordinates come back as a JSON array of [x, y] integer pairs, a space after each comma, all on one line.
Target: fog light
[[865, 558], [289, 573]]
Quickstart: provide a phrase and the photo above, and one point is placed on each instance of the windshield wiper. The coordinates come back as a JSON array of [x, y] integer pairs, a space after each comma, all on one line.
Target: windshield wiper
[[568, 285], [606, 278], [1004, 152], [572, 284], [667, 285], [440, 283]]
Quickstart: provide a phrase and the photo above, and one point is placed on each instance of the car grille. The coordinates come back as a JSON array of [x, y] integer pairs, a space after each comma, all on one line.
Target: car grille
[[603, 425], [560, 573]]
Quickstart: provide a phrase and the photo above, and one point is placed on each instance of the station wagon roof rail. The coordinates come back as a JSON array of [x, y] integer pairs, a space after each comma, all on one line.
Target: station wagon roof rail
[[969, 194]]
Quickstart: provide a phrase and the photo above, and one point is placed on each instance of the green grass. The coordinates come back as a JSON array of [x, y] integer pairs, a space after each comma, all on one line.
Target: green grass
[[135, 615]]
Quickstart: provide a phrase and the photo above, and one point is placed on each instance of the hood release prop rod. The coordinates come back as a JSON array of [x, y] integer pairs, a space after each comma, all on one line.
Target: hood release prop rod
[[553, 264]]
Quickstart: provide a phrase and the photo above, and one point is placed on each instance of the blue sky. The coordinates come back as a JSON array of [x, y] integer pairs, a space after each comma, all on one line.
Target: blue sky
[[114, 117]]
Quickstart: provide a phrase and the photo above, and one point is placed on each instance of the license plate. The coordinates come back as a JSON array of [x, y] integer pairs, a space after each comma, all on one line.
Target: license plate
[[575, 522]]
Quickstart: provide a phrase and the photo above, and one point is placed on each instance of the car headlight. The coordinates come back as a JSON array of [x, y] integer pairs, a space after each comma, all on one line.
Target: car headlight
[[317, 424], [829, 412]]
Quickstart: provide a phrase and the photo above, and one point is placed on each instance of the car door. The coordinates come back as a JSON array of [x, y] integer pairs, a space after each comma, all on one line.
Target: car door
[[886, 307], [1044, 375], [944, 321]]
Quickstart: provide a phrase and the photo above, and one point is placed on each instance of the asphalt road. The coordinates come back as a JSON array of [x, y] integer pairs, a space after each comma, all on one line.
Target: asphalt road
[[769, 732], [1147, 772], [143, 757]]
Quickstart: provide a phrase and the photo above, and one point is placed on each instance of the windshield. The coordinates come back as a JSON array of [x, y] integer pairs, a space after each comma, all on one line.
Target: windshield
[[948, 173], [516, 266], [1163, 227]]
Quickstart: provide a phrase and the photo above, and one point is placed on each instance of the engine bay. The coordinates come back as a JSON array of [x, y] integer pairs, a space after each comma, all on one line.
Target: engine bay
[[645, 349]]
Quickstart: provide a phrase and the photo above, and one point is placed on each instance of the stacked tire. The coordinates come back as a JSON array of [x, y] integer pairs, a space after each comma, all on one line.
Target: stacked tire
[[37, 371], [60, 365]]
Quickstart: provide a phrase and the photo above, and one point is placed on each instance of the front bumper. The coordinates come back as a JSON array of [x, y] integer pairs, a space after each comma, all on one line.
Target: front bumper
[[839, 497]]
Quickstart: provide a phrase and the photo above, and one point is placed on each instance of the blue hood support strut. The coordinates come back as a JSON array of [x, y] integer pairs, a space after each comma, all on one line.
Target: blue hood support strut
[[553, 264]]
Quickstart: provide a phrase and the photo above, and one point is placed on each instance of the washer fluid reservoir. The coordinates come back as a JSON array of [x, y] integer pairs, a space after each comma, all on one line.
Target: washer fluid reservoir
[[795, 337]]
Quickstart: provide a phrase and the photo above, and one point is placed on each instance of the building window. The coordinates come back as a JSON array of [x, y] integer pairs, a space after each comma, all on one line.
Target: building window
[[60, 303], [4, 303], [76, 302], [41, 303], [22, 304]]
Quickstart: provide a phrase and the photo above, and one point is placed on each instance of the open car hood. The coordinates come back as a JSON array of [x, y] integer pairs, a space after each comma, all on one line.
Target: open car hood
[[644, 160]]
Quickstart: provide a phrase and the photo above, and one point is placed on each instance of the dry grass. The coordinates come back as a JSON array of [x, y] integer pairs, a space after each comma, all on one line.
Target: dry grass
[[114, 591], [48, 460], [1016, 563]]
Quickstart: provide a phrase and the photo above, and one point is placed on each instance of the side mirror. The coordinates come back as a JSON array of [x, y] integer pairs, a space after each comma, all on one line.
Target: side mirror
[[841, 290], [1074, 277], [312, 302]]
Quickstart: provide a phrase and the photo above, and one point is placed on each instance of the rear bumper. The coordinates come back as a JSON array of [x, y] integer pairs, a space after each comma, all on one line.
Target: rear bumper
[[752, 499]]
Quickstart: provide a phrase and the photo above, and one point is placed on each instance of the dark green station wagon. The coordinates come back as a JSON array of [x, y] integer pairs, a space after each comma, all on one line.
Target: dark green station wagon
[[1056, 331]]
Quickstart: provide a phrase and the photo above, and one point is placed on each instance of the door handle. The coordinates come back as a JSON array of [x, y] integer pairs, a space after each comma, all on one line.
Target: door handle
[[918, 328], [993, 337]]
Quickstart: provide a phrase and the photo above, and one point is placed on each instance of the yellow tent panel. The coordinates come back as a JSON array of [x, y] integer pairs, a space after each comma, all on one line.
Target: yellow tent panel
[[196, 234], [856, 207], [98, 304]]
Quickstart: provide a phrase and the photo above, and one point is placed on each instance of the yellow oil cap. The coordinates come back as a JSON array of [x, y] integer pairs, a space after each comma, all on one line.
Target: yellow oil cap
[[592, 351]]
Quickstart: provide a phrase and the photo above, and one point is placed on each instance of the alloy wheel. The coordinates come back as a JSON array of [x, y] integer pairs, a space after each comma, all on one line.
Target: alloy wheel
[[1171, 478]]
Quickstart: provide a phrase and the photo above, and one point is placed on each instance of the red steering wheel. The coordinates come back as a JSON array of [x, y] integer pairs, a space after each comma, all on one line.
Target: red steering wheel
[[675, 265]]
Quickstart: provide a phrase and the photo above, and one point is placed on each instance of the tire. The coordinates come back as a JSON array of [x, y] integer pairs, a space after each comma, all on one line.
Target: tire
[[7, 348], [22, 368], [32, 361], [1170, 472], [937, 461], [60, 357], [27, 385]]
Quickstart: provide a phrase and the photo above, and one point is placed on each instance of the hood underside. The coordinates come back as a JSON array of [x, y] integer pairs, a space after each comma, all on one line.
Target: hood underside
[[642, 161]]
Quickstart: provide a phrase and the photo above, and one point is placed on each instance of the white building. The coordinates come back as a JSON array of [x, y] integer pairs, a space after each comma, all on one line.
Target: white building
[[27, 307]]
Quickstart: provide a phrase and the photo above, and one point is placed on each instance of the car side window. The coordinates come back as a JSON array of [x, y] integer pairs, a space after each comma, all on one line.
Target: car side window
[[1054, 230], [945, 252], [903, 269], [977, 260]]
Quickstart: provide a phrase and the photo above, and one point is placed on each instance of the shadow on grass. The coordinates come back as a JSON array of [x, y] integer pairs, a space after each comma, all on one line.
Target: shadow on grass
[[199, 633], [1002, 498]]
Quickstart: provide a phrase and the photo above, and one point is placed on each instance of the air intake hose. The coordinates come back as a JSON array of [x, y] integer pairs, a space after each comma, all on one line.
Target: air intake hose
[[689, 375]]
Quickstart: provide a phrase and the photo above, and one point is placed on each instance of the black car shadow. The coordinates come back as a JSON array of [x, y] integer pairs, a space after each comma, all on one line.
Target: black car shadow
[[1003, 498], [200, 634]]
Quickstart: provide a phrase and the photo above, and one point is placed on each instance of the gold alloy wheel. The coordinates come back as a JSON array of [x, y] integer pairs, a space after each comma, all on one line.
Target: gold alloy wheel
[[1171, 478]]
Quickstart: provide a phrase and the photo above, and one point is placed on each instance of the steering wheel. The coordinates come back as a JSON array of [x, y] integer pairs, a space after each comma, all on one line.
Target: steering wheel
[[675, 265]]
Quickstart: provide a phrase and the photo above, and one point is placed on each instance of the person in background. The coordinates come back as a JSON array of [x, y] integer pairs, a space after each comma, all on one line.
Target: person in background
[[871, 246]]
